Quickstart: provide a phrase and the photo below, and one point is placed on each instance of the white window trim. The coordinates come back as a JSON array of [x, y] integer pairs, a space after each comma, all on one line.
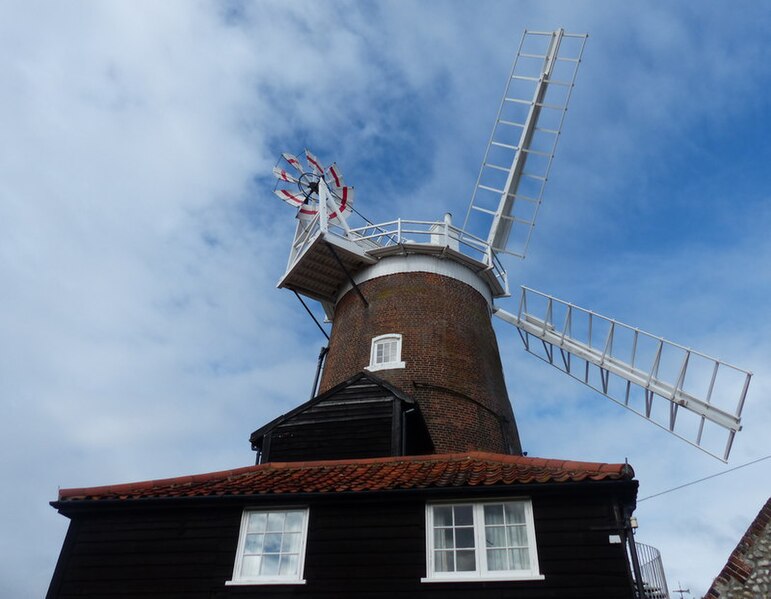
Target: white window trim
[[481, 573], [398, 363], [298, 578]]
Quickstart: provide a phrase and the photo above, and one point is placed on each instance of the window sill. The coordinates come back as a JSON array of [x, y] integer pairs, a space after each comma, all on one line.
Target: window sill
[[240, 583], [387, 366], [501, 578]]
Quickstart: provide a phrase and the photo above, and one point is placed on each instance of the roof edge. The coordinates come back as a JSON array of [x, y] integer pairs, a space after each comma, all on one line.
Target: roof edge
[[623, 470]]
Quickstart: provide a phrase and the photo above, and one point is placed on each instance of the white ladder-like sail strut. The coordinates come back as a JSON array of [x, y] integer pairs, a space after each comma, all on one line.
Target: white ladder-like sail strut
[[519, 154], [649, 375]]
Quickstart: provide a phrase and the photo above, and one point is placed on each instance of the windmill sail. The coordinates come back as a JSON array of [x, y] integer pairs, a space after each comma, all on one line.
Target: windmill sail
[[333, 177], [282, 175], [292, 159], [519, 154], [313, 163], [695, 397]]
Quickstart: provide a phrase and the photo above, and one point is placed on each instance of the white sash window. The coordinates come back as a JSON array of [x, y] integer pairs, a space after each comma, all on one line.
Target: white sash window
[[491, 540], [271, 547]]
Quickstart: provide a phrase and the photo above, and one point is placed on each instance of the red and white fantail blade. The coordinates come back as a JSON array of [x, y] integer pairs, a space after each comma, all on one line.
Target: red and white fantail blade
[[308, 211], [294, 198], [344, 201], [282, 175], [314, 163], [291, 159], [333, 176]]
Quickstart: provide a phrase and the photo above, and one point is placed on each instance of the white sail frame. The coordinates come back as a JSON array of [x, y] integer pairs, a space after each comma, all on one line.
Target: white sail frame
[[504, 216], [603, 352]]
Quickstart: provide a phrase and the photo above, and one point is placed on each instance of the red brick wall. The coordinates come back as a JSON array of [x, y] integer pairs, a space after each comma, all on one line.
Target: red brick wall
[[453, 367]]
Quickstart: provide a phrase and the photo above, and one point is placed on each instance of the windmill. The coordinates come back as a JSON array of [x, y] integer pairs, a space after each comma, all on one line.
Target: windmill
[[691, 395]]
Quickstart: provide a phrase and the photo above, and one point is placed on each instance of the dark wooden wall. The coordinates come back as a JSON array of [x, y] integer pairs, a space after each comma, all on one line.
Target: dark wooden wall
[[362, 547], [336, 430], [362, 419]]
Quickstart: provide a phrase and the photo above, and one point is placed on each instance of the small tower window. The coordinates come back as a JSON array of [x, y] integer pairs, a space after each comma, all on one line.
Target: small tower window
[[386, 352]]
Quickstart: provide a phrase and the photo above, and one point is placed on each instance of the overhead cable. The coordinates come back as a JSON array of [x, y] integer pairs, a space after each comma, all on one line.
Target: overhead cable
[[706, 478]]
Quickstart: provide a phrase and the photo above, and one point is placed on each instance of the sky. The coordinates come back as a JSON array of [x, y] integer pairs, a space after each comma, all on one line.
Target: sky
[[140, 242]]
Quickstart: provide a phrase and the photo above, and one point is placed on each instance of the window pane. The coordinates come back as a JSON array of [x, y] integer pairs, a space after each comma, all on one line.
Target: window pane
[[272, 542], [385, 351], [517, 536], [444, 561], [257, 522], [443, 516], [457, 527], [520, 559], [493, 514], [289, 564], [276, 521], [497, 560], [495, 536], [443, 538], [250, 566], [270, 565], [515, 513], [291, 543], [466, 561], [294, 521], [463, 515], [464, 537], [253, 543]]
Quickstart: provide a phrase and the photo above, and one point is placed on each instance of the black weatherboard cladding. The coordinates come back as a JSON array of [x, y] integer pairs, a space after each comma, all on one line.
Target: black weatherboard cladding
[[360, 545], [363, 417]]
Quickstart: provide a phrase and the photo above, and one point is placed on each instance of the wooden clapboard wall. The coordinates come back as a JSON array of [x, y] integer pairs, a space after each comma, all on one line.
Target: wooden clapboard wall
[[362, 418], [363, 546]]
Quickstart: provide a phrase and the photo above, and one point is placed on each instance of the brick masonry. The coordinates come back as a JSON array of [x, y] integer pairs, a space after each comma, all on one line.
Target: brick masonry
[[452, 364], [747, 574]]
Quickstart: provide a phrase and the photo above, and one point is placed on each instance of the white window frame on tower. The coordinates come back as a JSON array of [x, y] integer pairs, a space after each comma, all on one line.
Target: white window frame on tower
[[289, 541], [386, 352], [467, 536]]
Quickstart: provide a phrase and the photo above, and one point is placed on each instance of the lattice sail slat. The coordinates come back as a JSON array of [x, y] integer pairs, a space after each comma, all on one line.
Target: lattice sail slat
[[693, 396], [519, 154]]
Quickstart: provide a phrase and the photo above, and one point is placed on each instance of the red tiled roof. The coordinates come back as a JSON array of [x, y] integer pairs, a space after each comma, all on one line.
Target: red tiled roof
[[373, 474]]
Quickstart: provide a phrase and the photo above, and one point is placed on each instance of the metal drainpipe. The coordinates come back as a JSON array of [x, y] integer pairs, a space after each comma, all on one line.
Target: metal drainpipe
[[628, 531], [319, 365]]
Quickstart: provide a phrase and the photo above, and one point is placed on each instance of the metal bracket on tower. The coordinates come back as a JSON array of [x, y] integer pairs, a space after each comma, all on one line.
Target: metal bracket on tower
[[308, 310], [347, 273]]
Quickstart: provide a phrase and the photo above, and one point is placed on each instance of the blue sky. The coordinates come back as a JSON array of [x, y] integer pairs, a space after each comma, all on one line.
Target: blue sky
[[140, 242]]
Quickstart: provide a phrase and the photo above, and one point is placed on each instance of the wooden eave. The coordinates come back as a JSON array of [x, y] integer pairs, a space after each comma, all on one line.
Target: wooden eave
[[316, 272]]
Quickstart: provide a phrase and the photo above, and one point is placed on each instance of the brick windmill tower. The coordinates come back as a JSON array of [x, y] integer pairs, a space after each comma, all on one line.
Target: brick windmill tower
[[408, 306], [422, 321], [412, 301]]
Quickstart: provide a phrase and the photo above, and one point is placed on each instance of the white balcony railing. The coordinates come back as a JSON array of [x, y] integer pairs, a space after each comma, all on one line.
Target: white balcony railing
[[402, 232]]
